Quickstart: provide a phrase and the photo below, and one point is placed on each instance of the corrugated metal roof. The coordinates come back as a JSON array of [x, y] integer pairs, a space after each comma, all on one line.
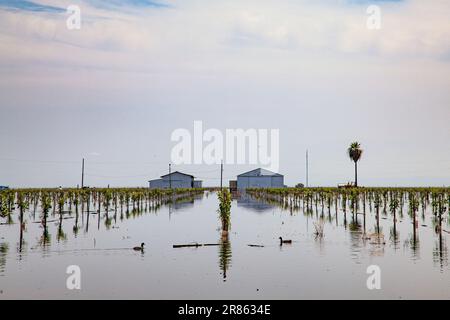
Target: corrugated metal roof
[[259, 172], [184, 174]]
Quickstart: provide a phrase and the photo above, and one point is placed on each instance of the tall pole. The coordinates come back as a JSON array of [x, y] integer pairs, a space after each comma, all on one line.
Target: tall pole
[[82, 174], [221, 174], [307, 169], [170, 175]]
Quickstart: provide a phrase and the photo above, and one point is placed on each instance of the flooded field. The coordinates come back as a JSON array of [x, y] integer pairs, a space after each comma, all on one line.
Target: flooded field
[[328, 258]]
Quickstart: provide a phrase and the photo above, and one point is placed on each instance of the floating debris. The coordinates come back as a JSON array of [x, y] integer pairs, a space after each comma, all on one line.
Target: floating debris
[[195, 245]]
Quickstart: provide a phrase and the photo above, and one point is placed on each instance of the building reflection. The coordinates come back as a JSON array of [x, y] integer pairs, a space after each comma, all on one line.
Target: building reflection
[[248, 202]]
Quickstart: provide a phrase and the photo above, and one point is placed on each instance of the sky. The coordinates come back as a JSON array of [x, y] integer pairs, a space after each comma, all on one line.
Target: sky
[[113, 91]]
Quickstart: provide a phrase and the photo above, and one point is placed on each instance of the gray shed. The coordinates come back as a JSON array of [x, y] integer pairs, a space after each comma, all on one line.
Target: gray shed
[[176, 180], [260, 178]]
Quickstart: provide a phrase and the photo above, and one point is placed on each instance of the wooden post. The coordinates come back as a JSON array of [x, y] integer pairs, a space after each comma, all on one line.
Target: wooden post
[[82, 174], [170, 175], [221, 174], [307, 169]]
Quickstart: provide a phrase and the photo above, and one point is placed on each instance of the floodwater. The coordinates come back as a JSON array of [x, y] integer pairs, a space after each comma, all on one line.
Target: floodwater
[[328, 267]]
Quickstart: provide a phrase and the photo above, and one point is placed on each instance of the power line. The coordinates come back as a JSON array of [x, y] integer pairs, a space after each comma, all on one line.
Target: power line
[[127, 162], [40, 161], [125, 176], [76, 162]]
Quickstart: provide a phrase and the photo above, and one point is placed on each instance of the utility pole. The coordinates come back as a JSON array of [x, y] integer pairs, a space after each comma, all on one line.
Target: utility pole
[[82, 174], [170, 175], [221, 174], [307, 169]]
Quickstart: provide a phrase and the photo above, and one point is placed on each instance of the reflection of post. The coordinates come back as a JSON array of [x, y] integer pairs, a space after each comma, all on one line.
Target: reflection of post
[[442, 248], [336, 208], [75, 227], [378, 220], [394, 233], [415, 240], [88, 214], [414, 228], [21, 234], [21, 229]]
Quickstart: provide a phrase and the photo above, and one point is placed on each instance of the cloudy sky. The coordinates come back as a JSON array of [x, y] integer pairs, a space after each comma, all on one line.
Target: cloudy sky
[[114, 91]]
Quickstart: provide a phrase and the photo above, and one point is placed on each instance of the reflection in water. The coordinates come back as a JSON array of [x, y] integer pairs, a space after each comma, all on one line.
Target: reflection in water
[[319, 235], [61, 235], [248, 202], [440, 252], [75, 226], [356, 238], [3, 252], [414, 245], [45, 239], [21, 229], [347, 206], [59, 206], [394, 237], [358, 244], [224, 255]]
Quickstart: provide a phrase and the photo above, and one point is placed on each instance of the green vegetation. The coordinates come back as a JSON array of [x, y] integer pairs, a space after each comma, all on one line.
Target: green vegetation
[[62, 202], [357, 199], [225, 208]]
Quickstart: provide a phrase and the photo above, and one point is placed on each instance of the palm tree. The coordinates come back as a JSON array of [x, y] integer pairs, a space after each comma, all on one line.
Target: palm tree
[[355, 152]]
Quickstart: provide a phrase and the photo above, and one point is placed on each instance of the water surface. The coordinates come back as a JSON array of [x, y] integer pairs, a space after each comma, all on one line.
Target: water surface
[[332, 266]]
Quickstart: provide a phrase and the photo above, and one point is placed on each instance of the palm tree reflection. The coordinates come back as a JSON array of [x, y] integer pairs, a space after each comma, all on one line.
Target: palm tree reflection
[[356, 237]]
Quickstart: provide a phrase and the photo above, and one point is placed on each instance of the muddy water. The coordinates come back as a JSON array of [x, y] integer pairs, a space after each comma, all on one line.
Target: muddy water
[[332, 266]]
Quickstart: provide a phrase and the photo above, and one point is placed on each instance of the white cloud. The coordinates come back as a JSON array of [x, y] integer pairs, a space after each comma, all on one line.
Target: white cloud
[[190, 31]]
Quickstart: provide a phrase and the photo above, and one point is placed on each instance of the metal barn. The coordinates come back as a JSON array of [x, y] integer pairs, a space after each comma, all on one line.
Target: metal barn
[[260, 178], [175, 180]]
